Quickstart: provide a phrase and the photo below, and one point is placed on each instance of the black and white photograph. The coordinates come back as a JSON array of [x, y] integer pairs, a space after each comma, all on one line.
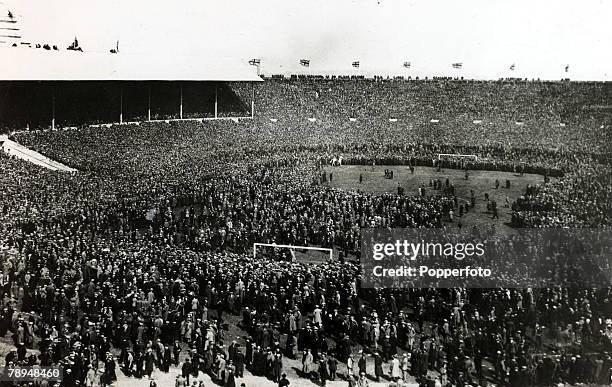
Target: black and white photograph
[[284, 193]]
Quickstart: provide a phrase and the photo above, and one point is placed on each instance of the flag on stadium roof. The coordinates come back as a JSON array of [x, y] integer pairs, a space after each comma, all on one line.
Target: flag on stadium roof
[[74, 46], [255, 62], [407, 65], [512, 67], [305, 62], [116, 49], [457, 65], [356, 63], [566, 68]]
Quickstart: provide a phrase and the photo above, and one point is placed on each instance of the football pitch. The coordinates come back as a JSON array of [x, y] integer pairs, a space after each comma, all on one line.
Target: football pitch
[[346, 177]]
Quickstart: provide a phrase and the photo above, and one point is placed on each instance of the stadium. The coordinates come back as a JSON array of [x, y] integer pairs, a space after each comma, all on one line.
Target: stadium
[[202, 224]]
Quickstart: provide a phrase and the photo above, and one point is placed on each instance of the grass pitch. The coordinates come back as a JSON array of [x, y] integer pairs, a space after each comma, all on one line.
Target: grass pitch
[[347, 178]]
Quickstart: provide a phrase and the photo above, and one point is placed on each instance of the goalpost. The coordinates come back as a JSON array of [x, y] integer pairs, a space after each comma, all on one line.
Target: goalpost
[[292, 248]]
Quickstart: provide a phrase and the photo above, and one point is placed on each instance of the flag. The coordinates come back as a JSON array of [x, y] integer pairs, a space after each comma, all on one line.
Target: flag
[[457, 65], [116, 49], [255, 62], [512, 67], [407, 65], [356, 63], [566, 68], [305, 62]]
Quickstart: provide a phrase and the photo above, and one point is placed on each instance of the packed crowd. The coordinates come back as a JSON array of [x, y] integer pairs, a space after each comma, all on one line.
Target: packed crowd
[[137, 262], [583, 198], [546, 115]]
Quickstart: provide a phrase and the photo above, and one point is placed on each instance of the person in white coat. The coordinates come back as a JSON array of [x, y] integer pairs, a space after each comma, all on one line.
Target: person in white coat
[[350, 363], [317, 318], [396, 370]]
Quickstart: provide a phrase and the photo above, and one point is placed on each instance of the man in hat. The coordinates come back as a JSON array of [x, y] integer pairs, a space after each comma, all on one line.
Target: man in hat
[[405, 366], [411, 335], [69, 379], [248, 356], [139, 362], [363, 380], [396, 372], [149, 362], [378, 370], [109, 368], [221, 365], [350, 365], [307, 361], [195, 363], [323, 373], [231, 351], [186, 369], [362, 364], [239, 362], [317, 315], [289, 346], [176, 351], [259, 361], [277, 367], [332, 364], [283, 381]]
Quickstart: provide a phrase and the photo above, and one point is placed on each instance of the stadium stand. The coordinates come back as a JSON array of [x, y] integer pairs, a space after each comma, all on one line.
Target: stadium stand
[[147, 249]]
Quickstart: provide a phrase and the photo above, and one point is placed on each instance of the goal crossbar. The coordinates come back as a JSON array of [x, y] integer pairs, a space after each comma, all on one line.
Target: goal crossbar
[[328, 250]]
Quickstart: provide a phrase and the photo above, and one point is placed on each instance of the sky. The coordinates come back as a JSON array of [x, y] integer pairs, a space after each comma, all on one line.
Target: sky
[[540, 37]]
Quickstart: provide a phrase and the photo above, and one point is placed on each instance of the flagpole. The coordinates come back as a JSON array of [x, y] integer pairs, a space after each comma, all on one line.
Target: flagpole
[[121, 104], [149, 103], [252, 99], [305, 63], [181, 101], [406, 66], [256, 62], [53, 107]]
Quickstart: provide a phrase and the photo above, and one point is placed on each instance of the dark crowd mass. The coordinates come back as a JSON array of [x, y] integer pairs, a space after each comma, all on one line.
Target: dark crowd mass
[[141, 263]]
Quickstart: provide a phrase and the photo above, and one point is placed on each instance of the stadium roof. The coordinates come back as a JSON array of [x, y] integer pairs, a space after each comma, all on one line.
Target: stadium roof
[[36, 64]]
